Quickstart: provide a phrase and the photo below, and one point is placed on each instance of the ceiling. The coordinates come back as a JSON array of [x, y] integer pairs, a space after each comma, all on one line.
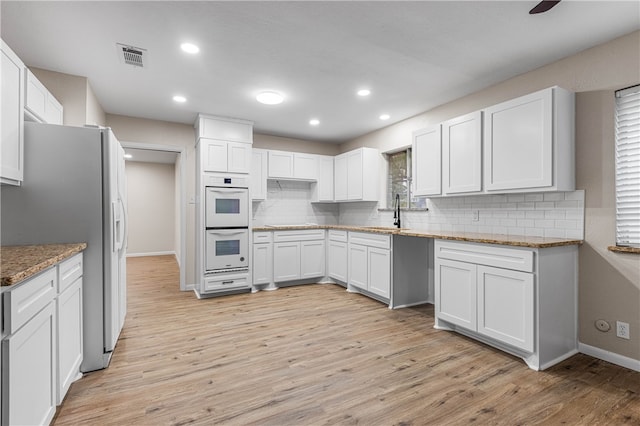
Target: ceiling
[[413, 56]]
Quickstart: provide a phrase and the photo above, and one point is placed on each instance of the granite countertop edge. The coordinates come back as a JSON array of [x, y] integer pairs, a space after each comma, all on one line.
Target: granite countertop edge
[[18, 263], [501, 239]]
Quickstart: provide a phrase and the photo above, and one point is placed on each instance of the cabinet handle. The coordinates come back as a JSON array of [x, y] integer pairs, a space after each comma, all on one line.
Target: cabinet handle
[[227, 282]]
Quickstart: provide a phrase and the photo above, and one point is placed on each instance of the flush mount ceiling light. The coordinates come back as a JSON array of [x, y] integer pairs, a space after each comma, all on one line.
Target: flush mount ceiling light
[[128, 156], [314, 121], [179, 99], [270, 98], [385, 117], [364, 92], [190, 48]]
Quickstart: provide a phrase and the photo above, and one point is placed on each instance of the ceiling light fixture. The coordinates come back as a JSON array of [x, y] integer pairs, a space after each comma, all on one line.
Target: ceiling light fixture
[[180, 99], [385, 117], [314, 121], [128, 156], [270, 98], [364, 92], [190, 48]]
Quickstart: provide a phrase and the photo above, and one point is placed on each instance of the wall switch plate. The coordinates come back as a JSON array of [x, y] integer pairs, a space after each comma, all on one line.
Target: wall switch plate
[[622, 329]]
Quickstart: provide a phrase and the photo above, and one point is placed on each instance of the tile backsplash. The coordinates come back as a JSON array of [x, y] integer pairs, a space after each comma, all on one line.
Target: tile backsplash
[[550, 214]]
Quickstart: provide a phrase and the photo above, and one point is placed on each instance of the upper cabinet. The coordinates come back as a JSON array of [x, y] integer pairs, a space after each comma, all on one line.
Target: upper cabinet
[[12, 117], [224, 144], [462, 154], [356, 175], [323, 191], [40, 104], [529, 143], [293, 166], [258, 176], [427, 161]]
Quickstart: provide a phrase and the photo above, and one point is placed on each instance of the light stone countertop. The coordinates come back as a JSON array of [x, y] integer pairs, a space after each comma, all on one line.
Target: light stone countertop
[[18, 263], [508, 240]]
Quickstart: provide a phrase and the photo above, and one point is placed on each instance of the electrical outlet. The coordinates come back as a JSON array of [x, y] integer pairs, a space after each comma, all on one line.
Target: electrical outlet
[[476, 215], [622, 329]]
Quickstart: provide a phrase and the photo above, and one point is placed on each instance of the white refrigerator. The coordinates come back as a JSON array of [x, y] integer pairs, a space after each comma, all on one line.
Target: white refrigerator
[[74, 190]]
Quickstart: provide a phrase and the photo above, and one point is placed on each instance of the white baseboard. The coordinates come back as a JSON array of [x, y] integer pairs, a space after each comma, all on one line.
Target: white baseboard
[[153, 253], [612, 357]]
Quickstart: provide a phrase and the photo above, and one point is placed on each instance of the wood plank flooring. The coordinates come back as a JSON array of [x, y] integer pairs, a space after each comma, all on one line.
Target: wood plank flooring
[[317, 355]]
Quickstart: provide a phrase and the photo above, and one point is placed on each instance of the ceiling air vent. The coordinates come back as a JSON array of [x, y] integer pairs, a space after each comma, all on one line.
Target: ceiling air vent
[[131, 55]]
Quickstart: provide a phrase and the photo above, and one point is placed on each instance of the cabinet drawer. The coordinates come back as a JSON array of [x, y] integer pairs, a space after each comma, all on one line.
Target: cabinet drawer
[[301, 235], [69, 271], [370, 240], [335, 235], [485, 254], [28, 298], [229, 282], [262, 237]]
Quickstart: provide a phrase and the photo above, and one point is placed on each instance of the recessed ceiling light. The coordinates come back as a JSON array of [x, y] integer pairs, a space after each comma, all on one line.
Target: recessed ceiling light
[[364, 92], [190, 48], [314, 121], [180, 99], [270, 98], [127, 156], [385, 117]]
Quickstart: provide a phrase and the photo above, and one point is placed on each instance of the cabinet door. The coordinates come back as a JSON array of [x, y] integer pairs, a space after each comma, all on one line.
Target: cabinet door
[[354, 175], [29, 376], [325, 179], [305, 166], [69, 330], [455, 288], [518, 142], [312, 259], [259, 175], [505, 306], [12, 117], [337, 261], [462, 154], [214, 155], [286, 261], [280, 164], [36, 97], [340, 182], [53, 111], [262, 263], [358, 266], [427, 161], [238, 157], [379, 267]]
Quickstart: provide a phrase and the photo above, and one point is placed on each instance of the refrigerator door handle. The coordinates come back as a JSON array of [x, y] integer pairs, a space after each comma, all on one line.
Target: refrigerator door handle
[[125, 221], [114, 228]]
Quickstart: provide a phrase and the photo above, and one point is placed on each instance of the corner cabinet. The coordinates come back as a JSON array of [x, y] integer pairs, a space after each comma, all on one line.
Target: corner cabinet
[[298, 255], [356, 175], [12, 73], [529, 143], [520, 300]]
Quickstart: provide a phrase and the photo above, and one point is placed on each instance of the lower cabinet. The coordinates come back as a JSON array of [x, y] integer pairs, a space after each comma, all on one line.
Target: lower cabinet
[[298, 255], [337, 255], [517, 299], [42, 343], [369, 263]]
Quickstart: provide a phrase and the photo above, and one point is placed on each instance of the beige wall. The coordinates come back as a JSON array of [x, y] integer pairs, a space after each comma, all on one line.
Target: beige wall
[[76, 96], [296, 145], [143, 130], [609, 283], [151, 208]]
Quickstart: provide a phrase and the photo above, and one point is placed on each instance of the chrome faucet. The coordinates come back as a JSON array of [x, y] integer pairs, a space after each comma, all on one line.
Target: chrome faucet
[[396, 212]]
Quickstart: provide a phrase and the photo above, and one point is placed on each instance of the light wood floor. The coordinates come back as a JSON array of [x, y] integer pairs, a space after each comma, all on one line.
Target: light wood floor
[[317, 355]]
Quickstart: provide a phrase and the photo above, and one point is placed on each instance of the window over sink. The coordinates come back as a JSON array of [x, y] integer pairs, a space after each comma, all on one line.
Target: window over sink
[[399, 181]]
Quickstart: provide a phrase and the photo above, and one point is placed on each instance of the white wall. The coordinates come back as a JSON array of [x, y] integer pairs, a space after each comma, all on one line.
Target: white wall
[[151, 205]]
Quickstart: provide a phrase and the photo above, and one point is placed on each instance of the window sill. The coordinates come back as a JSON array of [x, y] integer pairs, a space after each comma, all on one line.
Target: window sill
[[618, 249], [422, 209]]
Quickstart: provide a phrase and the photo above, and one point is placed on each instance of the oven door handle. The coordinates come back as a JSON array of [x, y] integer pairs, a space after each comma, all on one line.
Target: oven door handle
[[227, 190], [227, 232]]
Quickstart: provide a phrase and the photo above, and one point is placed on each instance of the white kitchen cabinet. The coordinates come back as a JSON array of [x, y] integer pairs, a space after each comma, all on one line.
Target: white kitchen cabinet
[[427, 161], [224, 128], [337, 255], [529, 143], [40, 104], [224, 156], [520, 300], [298, 255], [462, 154], [356, 177], [29, 351], [369, 263], [258, 175], [292, 166], [262, 258], [323, 189], [12, 117]]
